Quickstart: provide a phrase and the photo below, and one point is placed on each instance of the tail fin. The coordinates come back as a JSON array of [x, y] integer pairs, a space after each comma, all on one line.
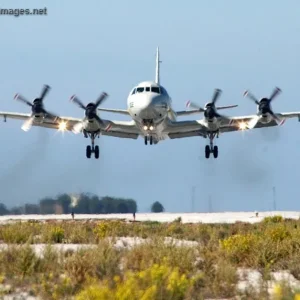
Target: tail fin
[[157, 66]]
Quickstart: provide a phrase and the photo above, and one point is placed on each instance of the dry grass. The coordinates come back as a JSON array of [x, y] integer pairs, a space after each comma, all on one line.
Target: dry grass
[[154, 269]]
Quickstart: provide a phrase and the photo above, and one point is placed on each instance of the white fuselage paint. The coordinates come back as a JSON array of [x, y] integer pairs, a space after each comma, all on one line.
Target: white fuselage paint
[[149, 108]]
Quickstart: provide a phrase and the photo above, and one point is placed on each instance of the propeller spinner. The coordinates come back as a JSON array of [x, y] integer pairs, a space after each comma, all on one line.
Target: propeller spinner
[[210, 110], [264, 104], [90, 109], [37, 107]]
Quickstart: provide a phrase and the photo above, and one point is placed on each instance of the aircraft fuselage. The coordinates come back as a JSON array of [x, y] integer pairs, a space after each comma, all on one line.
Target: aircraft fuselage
[[148, 105]]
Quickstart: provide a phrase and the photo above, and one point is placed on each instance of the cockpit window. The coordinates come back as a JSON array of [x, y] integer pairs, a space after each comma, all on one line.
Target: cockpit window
[[139, 89], [147, 89], [133, 92], [155, 89]]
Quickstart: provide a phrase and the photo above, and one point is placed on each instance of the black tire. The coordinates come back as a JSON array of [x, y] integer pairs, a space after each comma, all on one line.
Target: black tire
[[207, 151], [216, 151], [88, 151], [97, 152], [151, 140], [146, 140]]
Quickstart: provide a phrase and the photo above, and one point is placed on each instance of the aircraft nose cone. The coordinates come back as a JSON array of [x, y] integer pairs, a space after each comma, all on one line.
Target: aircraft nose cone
[[145, 106], [144, 102]]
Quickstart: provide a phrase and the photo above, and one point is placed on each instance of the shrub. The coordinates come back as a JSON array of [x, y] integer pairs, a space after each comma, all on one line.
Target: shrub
[[19, 261], [156, 282], [94, 292], [240, 248], [156, 251], [273, 219], [18, 233], [57, 234], [100, 262]]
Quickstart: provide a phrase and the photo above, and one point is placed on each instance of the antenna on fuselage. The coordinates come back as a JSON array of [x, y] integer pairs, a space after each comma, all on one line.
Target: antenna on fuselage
[[157, 66]]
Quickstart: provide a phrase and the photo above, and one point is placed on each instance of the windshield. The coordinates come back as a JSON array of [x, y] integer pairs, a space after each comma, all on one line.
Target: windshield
[[139, 89], [155, 89]]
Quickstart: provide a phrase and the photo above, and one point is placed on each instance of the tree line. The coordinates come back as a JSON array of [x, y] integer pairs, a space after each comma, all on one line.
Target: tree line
[[83, 203]]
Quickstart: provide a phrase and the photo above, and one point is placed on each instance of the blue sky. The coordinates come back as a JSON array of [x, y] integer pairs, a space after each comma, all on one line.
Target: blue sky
[[110, 46]]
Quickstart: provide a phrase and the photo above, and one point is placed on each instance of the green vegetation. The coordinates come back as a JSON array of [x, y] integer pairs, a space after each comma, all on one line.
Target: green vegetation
[[157, 207], [155, 269], [79, 204]]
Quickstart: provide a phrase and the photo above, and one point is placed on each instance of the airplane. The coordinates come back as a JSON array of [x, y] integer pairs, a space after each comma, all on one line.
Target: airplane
[[152, 117]]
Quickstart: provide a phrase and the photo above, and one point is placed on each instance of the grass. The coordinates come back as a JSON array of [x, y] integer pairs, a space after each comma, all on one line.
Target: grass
[[151, 270]]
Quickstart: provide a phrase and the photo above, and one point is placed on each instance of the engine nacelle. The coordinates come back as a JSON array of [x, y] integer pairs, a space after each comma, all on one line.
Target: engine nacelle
[[38, 117], [265, 119]]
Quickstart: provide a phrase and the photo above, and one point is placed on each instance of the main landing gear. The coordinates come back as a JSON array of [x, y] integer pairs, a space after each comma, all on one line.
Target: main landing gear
[[211, 148], [150, 139], [92, 149]]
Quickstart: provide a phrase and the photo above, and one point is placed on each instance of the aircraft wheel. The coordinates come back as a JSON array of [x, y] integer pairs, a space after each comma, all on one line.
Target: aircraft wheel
[[216, 150], [146, 140], [207, 151], [151, 140], [97, 152], [88, 151]]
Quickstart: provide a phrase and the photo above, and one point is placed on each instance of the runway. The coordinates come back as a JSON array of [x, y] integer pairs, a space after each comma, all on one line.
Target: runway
[[220, 217]]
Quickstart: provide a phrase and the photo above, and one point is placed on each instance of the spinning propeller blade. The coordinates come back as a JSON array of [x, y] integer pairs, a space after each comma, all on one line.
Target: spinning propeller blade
[[90, 111], [216, 96]]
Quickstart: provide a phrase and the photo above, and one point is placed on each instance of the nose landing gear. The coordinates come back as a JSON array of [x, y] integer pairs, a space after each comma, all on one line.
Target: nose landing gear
[[150, 139], [211, 148], [92, 149]]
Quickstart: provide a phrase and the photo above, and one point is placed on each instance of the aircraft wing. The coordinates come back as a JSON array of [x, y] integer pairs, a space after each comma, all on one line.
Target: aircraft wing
[[117, 111], [198, 111], [22, 116], [18, 116], [236, 123], [188, 112], [289, 115], [182, 129], [122, 129]]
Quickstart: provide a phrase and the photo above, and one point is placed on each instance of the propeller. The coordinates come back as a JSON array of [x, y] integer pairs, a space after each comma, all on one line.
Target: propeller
[[264, 106], [36, 101], [90, 111], [216, 96], [37, 107], [210, 110]]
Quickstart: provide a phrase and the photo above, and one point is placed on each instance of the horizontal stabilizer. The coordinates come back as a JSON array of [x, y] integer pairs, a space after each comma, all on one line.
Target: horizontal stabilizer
[[117, 111], [225, 107], [188, 112]]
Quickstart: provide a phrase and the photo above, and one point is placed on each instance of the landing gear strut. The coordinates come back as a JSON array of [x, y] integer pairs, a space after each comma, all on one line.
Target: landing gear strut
[[211, 148], [150, 139], [92, 149]]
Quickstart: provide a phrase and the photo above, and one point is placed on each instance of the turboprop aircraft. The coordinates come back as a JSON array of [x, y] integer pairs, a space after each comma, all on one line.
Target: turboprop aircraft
[[152, 117]]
